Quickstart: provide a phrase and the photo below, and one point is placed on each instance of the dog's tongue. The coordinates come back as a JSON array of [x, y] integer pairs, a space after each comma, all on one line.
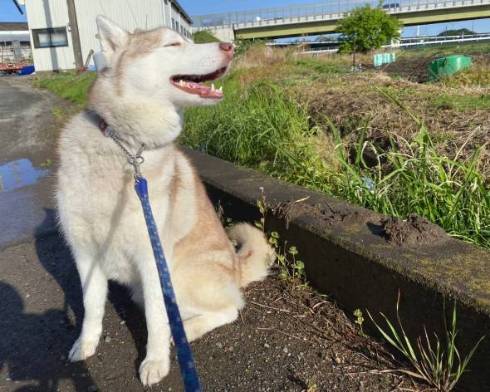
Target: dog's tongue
[[205, 91], [200, 89]]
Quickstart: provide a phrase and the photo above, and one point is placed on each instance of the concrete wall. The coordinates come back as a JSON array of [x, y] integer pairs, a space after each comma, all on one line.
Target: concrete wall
[[130, 14], [225, 34]]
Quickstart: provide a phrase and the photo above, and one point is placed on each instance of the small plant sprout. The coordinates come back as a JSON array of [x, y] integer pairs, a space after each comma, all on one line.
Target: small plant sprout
[[261, 205], [290, 267], [298, 267], [438, 363], [359, 319]]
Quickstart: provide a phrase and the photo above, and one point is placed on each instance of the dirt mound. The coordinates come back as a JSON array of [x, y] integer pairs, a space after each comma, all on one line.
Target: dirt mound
[[324, 212], [413, 231]]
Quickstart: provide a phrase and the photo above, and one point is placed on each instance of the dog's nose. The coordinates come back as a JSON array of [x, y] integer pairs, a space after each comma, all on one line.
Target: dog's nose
[[226, 47]]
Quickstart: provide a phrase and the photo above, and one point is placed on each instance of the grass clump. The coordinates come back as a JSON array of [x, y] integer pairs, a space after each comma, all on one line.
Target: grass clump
[[463, 102], [259, 127], [322, 67], [69, 85], [438, 363]]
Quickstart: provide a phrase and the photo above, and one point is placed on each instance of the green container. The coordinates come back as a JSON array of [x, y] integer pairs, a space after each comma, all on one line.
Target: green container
[[447, 66], [378, 60], [383, 58]]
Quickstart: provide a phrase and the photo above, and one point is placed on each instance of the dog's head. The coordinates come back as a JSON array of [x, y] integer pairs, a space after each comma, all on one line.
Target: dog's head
[[160, 64]]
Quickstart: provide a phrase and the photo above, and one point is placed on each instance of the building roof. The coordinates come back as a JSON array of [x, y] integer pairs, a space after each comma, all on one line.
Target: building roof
[[13, 26], [181, 10]]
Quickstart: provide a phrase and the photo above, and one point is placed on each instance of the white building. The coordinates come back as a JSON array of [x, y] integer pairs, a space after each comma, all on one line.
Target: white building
[[51, 33]]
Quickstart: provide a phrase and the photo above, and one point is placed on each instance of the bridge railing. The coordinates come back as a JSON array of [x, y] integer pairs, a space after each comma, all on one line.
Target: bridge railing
[[329, 9]]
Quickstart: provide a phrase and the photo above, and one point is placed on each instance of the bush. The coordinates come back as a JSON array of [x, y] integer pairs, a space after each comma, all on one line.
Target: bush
[[203, 37]]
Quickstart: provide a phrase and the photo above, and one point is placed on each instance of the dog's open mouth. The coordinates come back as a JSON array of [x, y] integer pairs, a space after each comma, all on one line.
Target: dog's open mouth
[[192, 84]]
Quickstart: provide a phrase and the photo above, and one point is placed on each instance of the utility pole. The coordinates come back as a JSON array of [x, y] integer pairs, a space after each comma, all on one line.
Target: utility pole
[[75, 35]]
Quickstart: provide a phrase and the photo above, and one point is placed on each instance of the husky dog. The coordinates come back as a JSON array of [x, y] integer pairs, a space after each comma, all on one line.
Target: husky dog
[[149, 77]]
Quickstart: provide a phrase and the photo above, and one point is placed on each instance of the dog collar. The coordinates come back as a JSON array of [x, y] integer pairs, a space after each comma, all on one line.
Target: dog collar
[[136, 159], [103, 126]]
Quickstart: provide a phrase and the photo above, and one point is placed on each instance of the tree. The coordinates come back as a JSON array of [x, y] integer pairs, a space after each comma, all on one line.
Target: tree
[[458, 32], [367, 28]]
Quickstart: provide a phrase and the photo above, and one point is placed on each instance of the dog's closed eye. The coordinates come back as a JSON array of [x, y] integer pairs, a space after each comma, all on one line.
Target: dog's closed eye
[[173, 44]]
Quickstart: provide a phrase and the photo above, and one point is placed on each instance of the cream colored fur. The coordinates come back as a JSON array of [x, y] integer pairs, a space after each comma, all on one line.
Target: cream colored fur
[[101, 216]]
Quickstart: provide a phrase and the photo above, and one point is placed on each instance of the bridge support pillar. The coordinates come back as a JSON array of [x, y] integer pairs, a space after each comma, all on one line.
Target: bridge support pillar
[[225, 34]]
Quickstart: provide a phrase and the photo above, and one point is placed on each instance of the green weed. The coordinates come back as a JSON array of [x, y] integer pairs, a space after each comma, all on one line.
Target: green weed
[[290, 266], [46, 164], [439, 363], [359, 319]]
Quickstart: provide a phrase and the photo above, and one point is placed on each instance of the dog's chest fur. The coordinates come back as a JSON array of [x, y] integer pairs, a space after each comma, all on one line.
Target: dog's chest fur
[[98, 207]]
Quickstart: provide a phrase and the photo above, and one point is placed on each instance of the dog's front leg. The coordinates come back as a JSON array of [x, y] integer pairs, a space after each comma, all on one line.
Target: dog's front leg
[[156, 364], [94, 287]]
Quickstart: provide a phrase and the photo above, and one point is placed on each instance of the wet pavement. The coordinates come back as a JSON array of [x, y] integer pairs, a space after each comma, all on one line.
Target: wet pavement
[[26, 136], [18, 174]]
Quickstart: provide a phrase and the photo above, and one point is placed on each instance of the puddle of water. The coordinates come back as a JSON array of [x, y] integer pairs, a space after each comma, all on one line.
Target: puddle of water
[[18, 174]]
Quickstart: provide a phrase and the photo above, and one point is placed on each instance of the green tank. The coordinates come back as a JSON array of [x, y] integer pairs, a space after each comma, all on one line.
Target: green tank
[[447, 66]]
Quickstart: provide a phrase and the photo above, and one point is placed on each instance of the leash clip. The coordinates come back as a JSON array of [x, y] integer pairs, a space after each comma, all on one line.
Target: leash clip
[[136, 161]]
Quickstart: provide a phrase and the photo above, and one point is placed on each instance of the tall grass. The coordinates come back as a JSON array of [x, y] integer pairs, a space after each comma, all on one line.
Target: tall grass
[[260, 126]]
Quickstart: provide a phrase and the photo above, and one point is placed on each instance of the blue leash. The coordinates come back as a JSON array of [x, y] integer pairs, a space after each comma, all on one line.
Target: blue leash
[[184, 353]]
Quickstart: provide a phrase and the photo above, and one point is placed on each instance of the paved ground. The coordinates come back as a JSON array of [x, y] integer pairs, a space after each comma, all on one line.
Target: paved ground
[[26, 120], [286, 339]]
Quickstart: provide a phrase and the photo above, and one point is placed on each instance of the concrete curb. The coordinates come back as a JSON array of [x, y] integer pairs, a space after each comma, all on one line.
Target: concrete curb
[[348, 257]]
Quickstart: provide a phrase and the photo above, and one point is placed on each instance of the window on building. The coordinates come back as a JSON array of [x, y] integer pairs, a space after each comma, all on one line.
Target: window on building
[[177, 26], [50, 37], [173, 23]]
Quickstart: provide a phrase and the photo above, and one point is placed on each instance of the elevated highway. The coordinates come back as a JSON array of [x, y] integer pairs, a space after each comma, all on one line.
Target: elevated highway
[[321, 18]]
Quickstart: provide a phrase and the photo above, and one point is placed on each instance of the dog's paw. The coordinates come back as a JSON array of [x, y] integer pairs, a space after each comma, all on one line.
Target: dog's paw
[[82, 349], [153, 370]]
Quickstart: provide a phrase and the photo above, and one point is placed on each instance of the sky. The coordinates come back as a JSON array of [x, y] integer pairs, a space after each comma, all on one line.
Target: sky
[[9, 13]]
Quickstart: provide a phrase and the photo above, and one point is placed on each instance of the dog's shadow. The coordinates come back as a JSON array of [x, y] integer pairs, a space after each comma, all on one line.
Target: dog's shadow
[[39, 343]]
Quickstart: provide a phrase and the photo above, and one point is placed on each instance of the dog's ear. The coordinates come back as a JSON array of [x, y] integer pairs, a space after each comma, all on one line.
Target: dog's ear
[[110, 34]]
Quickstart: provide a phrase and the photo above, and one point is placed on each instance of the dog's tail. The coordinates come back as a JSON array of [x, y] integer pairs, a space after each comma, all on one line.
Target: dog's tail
[[254, 253]]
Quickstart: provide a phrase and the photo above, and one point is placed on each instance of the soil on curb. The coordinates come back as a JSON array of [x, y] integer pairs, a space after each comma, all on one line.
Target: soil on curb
[[410, 232], [413, 231]]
